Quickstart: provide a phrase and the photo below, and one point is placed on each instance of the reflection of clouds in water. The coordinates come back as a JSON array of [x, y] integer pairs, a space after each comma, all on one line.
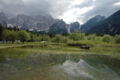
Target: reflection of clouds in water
[[73, 69], [85, 71]]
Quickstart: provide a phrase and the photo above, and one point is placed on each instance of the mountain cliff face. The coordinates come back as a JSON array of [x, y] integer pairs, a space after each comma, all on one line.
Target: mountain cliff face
[[111, 25], [74, 27], [39, 23], [92, 22], [58, 28], [34, 22], [97, 24]]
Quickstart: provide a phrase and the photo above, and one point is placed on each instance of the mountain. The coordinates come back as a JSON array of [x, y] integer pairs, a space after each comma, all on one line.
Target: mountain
[[32, 22], [39, 23], [74, 27], [58, 28], [111, 25], [91, 23], [3, 19]]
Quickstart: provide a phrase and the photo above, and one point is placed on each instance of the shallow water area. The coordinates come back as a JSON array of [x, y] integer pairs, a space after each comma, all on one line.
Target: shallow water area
[[22, 65]]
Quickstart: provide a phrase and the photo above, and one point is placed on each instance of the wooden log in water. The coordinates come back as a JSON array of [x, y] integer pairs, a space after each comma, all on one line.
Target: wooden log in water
[[82, 46]]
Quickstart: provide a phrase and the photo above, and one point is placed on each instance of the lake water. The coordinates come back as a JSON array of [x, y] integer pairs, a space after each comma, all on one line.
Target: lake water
[[21, 65]]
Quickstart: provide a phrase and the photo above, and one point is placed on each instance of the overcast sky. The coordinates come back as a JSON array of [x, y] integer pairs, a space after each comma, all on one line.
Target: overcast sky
[[68, 10]]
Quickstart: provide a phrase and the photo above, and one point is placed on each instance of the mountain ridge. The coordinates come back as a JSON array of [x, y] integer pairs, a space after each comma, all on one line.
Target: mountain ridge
[[92, 22], [111, 25]]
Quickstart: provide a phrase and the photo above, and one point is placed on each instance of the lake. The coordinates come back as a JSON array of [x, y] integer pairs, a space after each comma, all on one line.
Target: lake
[[18, 64]]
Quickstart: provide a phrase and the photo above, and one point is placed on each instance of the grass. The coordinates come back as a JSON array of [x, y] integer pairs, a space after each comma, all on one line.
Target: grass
[[49, 47]]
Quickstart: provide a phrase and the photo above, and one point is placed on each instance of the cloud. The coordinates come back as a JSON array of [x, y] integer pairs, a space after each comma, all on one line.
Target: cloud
[[75, 14], [13, 6], [117, 3], [34, 7], [94, 7], [69, 10]]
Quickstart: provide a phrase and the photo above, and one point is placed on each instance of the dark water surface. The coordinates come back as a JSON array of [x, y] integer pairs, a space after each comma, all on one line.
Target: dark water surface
[[17, 64]]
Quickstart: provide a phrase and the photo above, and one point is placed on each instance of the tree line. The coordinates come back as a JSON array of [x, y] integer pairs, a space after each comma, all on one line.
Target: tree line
[[78, 37], [16, 35]]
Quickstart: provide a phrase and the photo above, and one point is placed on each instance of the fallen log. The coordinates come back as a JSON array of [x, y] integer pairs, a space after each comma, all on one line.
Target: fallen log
[[82, 46]]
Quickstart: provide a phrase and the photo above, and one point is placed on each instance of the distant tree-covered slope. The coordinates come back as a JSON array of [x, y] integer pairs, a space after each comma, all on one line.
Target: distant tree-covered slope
[[109, 26], [91, 23], [58, 28]]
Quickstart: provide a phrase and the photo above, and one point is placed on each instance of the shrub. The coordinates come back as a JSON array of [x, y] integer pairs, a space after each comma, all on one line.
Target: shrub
[[60, 39], [91, 37], [23, 36], [34, 37], [77, 36], [117, 39], [9, 35], [107, 38], [5, 34], [12, 36], [45, 38]]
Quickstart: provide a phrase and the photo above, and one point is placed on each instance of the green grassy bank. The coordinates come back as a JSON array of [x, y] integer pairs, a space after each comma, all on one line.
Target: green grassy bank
[[49, 47]]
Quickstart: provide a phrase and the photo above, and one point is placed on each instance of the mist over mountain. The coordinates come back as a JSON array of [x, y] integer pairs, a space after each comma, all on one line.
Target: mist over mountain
[[33, 22], [68, 10], [38, 23], [98, 24], [41, 22]]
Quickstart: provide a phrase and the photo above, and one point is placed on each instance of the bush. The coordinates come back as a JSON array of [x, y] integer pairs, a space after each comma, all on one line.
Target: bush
[[117, 39], [77, 36], [23, 36], [5, 34], [107, 38], [45, 38], [34, 37], [60, 39], [91, 37], [12, 36], [9, 35], [98, 38]]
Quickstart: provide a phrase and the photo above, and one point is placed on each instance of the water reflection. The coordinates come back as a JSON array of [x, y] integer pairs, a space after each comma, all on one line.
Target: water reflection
[[18, 64], [83, 71]]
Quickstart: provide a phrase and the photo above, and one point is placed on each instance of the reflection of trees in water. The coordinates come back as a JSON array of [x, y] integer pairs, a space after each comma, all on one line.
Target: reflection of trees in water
[[9, 53], [19, 62]]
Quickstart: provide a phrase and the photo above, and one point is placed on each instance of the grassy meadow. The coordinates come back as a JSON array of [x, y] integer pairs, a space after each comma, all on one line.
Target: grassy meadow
[[33, 42], [53, 47]]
